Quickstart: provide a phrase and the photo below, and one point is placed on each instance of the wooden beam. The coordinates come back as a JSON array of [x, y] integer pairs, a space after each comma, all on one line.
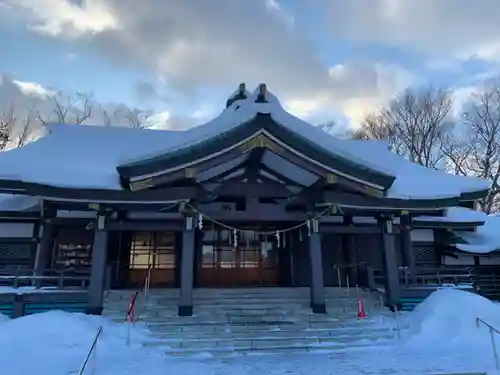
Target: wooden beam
[[279, 176], [145, 225], [188, 172], [241, 189], [344, 229], [328, 176], [252, 165]]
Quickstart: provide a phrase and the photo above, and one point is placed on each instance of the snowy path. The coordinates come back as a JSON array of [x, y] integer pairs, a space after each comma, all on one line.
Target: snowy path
[[373, 361]]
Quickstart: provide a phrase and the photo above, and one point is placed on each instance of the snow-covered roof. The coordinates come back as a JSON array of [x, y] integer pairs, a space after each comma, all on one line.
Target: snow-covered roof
[[10, 202], [455, 215], [87, 156], [484, 240]]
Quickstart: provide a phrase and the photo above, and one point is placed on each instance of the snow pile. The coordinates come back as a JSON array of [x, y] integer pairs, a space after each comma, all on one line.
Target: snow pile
[[59, 341], [4, 319], [447, 319]]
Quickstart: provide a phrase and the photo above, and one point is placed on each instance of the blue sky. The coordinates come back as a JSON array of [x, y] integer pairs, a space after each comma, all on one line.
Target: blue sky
[[325, 59]]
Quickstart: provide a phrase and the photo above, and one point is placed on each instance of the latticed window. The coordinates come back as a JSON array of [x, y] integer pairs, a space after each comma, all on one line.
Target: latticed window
[[253, 250], [16, 254], [155, 249]]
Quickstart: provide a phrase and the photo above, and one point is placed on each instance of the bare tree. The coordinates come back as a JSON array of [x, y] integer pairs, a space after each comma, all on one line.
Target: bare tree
[[106, 117], [414, 124], [7, 123], [135, 118], [67, 107], [15, 129], [378, 126], [26, 127], [481, 156]]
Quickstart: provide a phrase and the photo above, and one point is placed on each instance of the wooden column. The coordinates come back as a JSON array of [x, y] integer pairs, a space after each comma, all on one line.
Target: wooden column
[[406, 245], [349, 252], [316, 260], [187, 266], [390, 266], [98, 268], [46, 240]]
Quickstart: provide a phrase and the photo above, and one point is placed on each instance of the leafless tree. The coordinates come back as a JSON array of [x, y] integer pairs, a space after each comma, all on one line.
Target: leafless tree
[[135, 118], [106, 117], [67, 107], [15, 129], [26, 126], [414, 124], [7, 123], [481, 155]]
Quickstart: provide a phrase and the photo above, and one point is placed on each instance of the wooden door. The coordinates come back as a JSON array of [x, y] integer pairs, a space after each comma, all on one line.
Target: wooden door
[[155, 250], [253, 262]]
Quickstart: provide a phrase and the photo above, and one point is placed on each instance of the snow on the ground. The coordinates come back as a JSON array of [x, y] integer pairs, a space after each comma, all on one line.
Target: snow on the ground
[[439, 336], [32, 289]]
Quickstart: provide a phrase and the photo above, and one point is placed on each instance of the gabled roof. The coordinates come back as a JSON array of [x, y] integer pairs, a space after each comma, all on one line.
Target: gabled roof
[[74, 156]]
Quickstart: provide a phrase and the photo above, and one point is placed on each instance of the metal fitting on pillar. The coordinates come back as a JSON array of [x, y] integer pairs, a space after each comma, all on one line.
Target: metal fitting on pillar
[[189, 223], [315, 225]]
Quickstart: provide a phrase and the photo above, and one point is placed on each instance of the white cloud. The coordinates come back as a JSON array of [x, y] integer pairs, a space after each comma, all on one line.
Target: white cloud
[[58, 17], [194, 45], [33, 89], [453, 28]]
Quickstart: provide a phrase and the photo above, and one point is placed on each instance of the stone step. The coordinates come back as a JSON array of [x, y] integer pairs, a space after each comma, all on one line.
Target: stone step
[[265, 342], [253, 321], [276, 349], [245, 293], [274, 333], [245, 305], [246, 301], [217, 328]]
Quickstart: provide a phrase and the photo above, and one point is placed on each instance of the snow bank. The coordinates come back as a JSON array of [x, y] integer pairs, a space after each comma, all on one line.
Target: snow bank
[[4, 319], [447, 318], [59, 341]]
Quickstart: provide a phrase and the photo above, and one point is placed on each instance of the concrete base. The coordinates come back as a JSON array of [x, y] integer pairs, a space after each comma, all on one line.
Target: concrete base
[[94, 310], [318, 308], [185, 310]]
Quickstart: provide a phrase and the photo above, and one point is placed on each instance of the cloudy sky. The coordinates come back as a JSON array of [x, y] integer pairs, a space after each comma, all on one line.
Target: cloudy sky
[[325, 59]]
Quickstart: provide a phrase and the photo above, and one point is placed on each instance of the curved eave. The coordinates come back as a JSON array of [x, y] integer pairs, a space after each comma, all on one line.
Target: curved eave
[[239, 133], [446, 224], [174, 194], [474, 195], [492, 252], [387, 204]]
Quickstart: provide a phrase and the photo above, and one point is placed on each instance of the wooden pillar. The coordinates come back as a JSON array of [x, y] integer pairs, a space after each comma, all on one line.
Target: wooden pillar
[[349, 252], [477, 273], [46, 240], [98, 268], [187, 266], [316, 260], [389, 263], [406, 245]]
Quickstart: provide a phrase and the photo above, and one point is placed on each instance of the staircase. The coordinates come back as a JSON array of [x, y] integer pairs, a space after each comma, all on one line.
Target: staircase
[[257, 320]]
